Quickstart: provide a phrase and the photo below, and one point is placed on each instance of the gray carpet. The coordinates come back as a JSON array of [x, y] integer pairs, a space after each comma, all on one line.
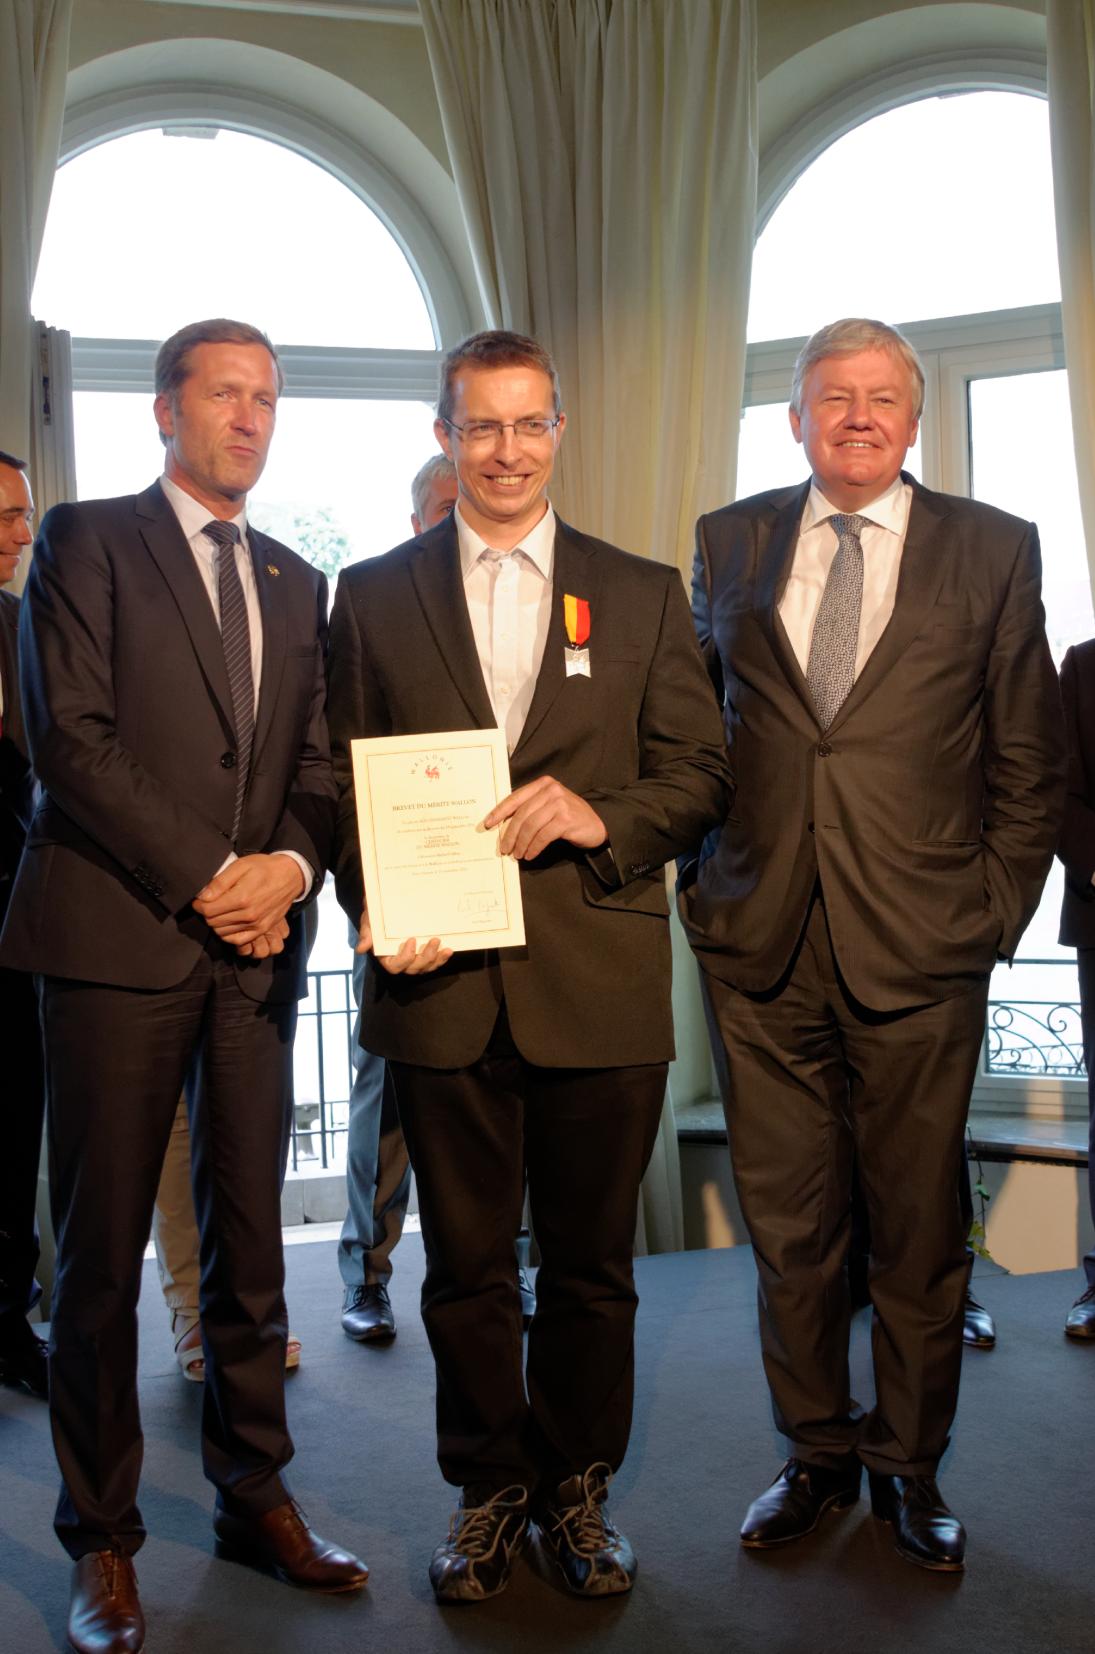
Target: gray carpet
[[1019, 1473]]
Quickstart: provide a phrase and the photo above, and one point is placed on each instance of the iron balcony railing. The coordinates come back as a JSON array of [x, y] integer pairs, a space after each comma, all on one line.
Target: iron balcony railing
[[1028, 1037]]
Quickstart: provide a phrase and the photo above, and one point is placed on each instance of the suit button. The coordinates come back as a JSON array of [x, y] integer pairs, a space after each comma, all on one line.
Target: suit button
[[228, 760], [809, 826], [824, 750]]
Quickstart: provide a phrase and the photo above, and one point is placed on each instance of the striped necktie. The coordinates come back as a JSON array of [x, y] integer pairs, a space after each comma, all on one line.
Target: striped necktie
[[236, 642], [830, 667]]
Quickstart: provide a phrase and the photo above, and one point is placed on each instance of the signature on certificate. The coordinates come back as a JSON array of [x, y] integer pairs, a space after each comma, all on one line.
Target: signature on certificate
[[479, 902]]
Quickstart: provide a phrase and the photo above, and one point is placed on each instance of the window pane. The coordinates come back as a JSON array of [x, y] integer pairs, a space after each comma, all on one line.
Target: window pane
[[939, 208], [769, 456], [1023, 461], [150, 231], [336, 486]]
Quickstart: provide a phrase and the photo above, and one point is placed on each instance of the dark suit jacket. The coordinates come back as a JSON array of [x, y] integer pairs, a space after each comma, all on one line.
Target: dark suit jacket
[[17, 789], [128, 711], [930, 808], [1077, 846], [640, 739]]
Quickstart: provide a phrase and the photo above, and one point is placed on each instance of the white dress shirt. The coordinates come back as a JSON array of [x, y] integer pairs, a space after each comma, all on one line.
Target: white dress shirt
[[508, 595], [882, 539], [193, 517]]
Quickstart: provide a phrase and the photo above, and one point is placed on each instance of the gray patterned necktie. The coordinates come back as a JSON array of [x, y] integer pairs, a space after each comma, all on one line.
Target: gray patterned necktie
[[830, 668], [236, 642]]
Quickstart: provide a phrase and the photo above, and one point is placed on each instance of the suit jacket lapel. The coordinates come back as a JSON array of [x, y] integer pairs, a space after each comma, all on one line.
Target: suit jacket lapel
[[774, 560], [923, 565], [273, 604], [435, 571], [160, 531], [573, 572]]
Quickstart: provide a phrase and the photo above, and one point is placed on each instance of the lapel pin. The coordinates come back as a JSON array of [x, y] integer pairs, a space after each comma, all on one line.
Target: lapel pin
[[272, 568]]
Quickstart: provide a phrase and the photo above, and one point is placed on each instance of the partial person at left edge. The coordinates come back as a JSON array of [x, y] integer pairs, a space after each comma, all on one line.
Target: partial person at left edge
[[22, 1352], [172, 670]]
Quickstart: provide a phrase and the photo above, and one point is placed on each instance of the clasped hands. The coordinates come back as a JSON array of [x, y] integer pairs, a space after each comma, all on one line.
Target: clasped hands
[[531, 818], [247, 901]]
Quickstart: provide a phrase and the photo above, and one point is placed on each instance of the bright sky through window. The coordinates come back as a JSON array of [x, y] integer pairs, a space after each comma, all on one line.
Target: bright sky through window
[[943, 207], [147, 232]]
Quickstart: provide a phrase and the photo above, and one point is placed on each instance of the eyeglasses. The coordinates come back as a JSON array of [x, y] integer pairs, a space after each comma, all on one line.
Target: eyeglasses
[[478, 432]]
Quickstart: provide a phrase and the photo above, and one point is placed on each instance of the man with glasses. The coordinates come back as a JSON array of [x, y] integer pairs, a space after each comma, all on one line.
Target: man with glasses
[[550, 1057], [22, 1352]]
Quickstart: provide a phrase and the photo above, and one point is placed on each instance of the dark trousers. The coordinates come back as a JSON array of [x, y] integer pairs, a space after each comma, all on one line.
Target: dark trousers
[[812, 1082], [116, 1061], [20, 1144], [585, 1136], [1085, 963]]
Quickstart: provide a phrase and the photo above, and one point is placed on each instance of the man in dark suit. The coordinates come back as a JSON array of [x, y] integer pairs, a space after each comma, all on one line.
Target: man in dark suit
[[551, 1056], [895, 734], [22, 1352], [1077, 852], [173, 687]]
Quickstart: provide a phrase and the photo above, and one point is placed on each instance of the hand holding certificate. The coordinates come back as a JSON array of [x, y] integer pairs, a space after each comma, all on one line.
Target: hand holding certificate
[[431, 868]]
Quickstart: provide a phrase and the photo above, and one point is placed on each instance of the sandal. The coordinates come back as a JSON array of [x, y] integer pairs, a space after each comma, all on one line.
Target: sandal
[[191, 1356], [188, 1345]]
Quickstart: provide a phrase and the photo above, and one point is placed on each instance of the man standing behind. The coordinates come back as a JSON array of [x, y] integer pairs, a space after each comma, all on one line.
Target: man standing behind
[[895, 733], [378, 1170], [507, 1059], [22, 1352], [172, 669], [1077, 852]]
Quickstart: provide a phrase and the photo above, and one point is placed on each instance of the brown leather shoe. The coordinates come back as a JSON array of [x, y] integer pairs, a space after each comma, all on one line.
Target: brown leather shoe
[[281, 1541], [104, 1616]]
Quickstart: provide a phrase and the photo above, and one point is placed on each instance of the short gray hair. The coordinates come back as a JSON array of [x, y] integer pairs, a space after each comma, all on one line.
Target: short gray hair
[[436, 467], [173, 356], [845, 338]]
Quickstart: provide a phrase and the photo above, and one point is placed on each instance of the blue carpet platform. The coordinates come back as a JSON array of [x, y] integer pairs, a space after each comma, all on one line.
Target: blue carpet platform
[[1020, 1473]]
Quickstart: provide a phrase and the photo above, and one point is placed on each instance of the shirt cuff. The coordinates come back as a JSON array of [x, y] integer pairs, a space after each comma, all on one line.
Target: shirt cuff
[[305, 872]]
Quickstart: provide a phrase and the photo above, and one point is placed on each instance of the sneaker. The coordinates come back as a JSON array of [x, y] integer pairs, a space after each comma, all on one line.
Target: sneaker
[[486, 1534], [592, 1554]]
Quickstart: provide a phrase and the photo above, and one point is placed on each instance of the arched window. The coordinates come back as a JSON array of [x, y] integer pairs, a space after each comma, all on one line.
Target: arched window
[[938, 216], [156, 228]]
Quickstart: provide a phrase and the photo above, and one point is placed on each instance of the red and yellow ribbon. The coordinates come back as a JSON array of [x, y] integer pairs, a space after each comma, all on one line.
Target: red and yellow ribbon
[[576, 616]]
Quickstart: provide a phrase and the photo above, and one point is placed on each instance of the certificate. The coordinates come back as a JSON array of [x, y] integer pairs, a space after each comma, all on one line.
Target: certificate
[[429, 869]]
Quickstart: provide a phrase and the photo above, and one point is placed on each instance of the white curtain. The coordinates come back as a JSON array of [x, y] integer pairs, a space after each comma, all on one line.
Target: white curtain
[[52, 439], [604, 152], [33, 68], [1070, 39], [605, 156]]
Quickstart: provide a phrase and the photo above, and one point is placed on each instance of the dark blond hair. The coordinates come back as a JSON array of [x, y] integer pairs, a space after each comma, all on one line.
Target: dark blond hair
[[496, 348]]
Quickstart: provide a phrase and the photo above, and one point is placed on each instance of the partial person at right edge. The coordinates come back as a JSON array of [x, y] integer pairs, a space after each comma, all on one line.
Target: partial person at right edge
[[1077, 852]]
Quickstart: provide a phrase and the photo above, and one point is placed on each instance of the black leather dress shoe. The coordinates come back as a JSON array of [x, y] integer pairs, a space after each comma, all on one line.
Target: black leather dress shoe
[[978, 1327], [486, 1535], [104, 1615], [797, 1500], [1081, 1317], [23, 1363], [591, 1553], [280, 1541], [367, 1314], [925, 1531]]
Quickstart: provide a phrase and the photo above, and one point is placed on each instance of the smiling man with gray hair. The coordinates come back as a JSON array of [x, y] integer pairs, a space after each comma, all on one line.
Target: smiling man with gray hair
[[895, 732]]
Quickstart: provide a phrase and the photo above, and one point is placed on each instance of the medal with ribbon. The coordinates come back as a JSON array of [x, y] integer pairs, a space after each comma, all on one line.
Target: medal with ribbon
[[576, 618]]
